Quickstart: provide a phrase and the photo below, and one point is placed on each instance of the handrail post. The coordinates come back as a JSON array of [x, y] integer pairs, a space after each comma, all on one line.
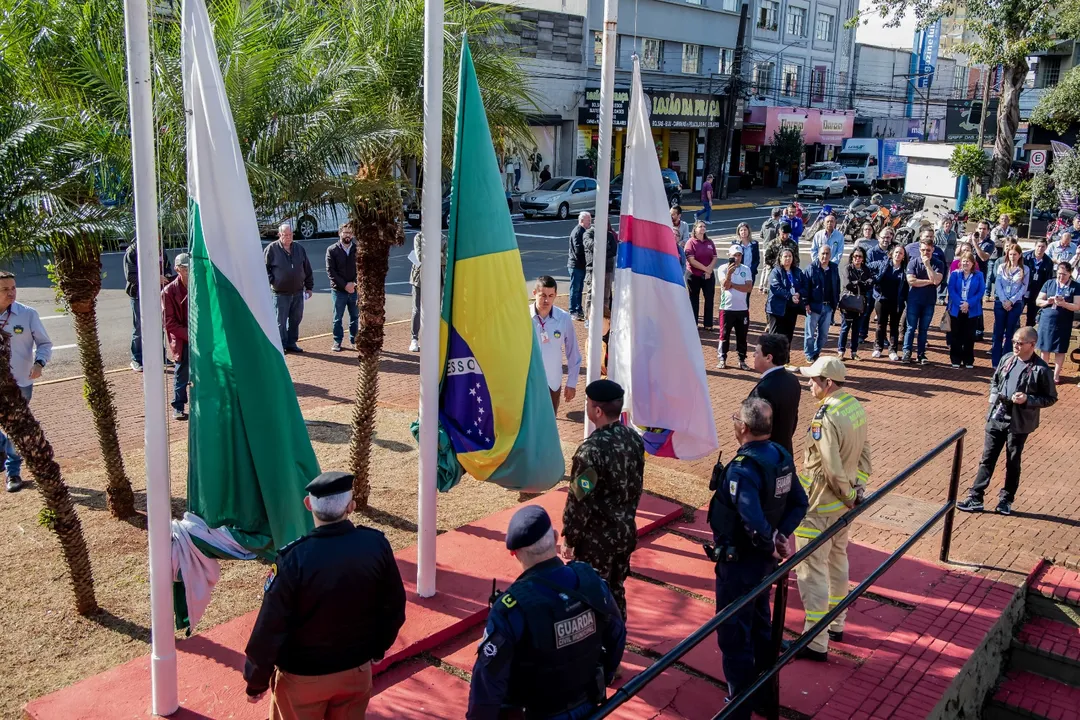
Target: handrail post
[[779, 617], [954, 490]]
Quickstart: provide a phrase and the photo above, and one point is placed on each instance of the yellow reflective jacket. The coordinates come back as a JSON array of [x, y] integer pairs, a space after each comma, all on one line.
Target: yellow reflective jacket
[[837, 458]]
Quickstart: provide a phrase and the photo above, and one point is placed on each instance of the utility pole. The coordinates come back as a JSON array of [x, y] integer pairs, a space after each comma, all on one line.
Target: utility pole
[[985, 102], [734, 93], [926, 113]]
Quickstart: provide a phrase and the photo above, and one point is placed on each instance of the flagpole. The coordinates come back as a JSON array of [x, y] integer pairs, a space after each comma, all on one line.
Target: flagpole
[[603, 187], [158, 500], [430, 284]]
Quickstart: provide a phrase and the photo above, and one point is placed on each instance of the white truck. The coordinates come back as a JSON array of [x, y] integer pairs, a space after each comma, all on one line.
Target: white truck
[[873, 164]]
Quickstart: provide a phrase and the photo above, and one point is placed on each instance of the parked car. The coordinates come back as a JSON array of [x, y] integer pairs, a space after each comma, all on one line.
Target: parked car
[[672, 187], [559, 197], [412, 212], [308, 222], [824, 180]]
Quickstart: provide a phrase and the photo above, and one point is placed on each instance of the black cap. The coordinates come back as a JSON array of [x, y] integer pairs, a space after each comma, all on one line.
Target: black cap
[[785, 227], [529, 525], [330, 483], [604, 391]]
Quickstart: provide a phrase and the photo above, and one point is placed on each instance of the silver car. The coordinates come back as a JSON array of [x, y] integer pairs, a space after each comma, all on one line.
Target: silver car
[[560, 197], [823, 182]]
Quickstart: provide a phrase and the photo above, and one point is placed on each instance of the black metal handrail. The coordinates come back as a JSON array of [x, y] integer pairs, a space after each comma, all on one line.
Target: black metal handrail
[[780, 575]]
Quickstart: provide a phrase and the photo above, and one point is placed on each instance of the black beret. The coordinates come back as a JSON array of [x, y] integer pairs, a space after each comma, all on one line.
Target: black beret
[[529, 525], [785, 227], [330, 483], [604, 391]]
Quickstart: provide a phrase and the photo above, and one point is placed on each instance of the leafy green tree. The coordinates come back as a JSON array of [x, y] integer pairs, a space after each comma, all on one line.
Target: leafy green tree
[[788, 148], [1008, 31], [968, 160]]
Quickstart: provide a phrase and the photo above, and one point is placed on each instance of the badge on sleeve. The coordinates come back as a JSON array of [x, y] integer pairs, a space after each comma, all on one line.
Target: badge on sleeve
[[270, 577], [584, 483], [815, 430]]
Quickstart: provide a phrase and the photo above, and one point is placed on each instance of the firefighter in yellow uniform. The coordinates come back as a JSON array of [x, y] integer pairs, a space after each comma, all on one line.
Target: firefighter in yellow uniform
[[834, 475]]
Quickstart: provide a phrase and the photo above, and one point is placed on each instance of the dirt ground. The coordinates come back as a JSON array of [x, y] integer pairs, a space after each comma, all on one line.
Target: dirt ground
[[45, 645]]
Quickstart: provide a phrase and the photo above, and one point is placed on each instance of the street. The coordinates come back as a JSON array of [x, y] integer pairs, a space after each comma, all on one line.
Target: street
[[543, 245]]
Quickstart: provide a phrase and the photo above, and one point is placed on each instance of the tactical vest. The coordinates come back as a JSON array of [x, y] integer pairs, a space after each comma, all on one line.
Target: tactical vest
[[556, 669], [776, 474]]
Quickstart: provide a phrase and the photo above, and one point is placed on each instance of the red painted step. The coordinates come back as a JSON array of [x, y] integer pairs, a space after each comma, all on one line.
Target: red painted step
[[1051, 636], [1038, 695], [1054, 581]]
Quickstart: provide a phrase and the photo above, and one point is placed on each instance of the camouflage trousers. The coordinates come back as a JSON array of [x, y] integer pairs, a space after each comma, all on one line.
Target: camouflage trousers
[[611, 565]]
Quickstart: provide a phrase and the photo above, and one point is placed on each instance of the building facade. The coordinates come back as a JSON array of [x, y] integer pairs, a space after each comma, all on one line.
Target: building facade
[[686, 51]]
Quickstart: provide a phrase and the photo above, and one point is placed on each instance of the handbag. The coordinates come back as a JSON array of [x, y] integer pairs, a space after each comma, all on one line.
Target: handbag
[[852, 304], [946, 322]]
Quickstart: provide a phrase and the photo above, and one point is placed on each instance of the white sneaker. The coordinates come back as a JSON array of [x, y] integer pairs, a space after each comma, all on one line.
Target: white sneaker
[[414, 346], [893, 356], [136, 366], [875, 354]]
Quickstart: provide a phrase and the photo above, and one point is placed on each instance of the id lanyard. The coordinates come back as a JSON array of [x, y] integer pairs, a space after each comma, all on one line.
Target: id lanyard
[[543, 332]]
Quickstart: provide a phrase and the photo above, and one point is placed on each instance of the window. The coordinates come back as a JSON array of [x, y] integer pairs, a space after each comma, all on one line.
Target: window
[[598, 47], [651, 53], [1051, 71], [762, 80], [817, 84], [727, 61], [694, 2], [730, 5], [691, 58], [590, 184], [959, 80], [768, 11], [824, 31], [791, 80], [796, 21]]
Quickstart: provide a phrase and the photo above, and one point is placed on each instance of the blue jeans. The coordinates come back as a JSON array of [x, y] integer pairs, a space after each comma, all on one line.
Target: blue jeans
[[918, 318], [290, 311], [991, 270], [180, 380], [136, 332], [13, 461], [1005, 324], [706, 211], [343, 301], [857, 327], [577, 284], [816, 332]]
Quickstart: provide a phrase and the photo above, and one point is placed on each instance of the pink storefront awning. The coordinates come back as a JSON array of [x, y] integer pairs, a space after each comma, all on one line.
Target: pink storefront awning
[[828, 127]]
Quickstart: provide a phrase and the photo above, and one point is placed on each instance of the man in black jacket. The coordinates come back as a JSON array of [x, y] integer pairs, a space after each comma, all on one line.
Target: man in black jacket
[[289, 273], [341, 269], [332, 603], [1040, 269], [1022, 385], [575, 264], [778, 387], [131, 270]]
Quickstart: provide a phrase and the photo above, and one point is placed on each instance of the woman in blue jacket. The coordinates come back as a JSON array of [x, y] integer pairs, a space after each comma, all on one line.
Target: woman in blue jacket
[[787, 293], [966, 287]]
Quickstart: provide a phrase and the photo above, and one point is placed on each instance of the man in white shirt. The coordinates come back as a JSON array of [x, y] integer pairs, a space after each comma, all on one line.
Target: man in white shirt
[[735, 283], [1064, 249], [555, 333], [31, 350], [828, 236]]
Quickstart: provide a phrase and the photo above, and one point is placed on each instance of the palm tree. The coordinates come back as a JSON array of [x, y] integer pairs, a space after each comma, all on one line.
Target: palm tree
[[384, 38], [73, 65], [32, 185]]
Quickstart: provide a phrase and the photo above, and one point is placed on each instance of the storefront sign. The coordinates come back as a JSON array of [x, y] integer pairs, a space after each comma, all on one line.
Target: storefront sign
[[818, 126], [962, 121], [666, 109]]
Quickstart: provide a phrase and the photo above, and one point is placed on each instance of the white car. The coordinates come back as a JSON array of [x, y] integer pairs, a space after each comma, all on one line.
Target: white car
[[823, 182], [309, 222]]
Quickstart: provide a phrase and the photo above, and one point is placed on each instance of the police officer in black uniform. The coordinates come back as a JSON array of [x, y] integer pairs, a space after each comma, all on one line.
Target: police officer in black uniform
[[553, 640], [758, 503], [333, 602]]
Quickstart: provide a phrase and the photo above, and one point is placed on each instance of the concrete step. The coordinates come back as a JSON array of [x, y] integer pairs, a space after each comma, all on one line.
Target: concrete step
[[1027, 695], [1054, 593], [1048, 648]]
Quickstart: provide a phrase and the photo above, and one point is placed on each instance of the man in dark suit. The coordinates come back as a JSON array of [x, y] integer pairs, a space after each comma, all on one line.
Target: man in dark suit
[[777, 386]]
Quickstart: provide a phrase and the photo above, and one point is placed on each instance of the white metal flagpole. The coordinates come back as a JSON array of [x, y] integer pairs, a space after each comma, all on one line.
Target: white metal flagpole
[[158, 491], [430, 285], [603, 187]]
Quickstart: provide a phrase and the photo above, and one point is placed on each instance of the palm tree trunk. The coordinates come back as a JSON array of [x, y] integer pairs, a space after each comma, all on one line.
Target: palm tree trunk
[[378, 228], [119, 495], [1008, 120], [78, 272], [59, 512]]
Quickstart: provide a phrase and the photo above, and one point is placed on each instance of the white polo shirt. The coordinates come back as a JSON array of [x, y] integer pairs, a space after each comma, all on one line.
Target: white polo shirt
[[556, 336], [740, 275]]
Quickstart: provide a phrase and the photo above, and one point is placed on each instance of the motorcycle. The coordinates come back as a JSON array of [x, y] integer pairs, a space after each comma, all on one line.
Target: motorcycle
[[1061, 222]]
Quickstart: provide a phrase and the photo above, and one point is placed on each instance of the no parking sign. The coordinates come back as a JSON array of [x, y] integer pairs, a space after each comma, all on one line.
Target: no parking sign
[[1037, 164]]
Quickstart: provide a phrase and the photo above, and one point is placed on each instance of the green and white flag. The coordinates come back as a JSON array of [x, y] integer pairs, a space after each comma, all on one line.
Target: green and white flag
[[249, 455]]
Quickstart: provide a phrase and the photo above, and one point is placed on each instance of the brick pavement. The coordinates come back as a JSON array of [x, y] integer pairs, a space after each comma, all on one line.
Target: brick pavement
[[911, 409]]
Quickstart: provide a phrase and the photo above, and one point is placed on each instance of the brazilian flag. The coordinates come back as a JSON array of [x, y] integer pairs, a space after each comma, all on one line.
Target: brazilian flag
[[494, 403]]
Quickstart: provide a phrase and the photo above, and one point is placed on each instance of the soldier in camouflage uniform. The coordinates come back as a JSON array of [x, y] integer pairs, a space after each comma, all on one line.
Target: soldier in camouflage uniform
[[605, 487]]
